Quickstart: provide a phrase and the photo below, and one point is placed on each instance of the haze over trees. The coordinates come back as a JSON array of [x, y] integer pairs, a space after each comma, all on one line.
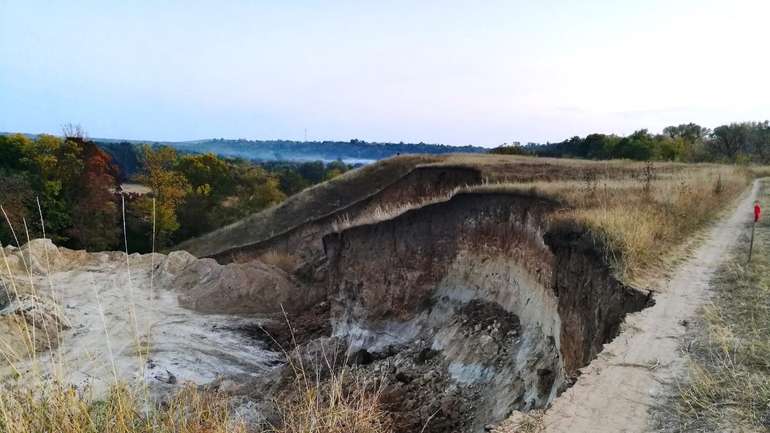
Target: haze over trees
[[352, 151]]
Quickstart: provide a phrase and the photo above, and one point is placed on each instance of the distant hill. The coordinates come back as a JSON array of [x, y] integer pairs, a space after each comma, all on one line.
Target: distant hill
[[351, 152]]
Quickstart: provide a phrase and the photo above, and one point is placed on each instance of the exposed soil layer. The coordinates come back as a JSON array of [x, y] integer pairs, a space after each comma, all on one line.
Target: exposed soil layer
[[592, 302], [511, 306], [306, 326], [306, 239], [309, 205], [359, 186]]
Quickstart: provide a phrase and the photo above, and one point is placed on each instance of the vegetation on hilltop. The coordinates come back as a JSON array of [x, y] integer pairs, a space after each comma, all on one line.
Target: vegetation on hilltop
[[735, 142], [72, 179], [76, 184]]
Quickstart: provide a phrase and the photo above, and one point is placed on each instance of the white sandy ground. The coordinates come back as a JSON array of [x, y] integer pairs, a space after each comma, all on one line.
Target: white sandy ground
[[96, 294], [616, 391]]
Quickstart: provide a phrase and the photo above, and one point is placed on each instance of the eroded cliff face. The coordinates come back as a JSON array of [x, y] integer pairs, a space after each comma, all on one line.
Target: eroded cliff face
[[306, 241], [510, 306], [592, 302]]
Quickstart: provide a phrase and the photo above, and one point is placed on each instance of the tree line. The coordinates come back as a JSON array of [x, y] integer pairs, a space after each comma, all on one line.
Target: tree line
[[741, 142], [77, 187]]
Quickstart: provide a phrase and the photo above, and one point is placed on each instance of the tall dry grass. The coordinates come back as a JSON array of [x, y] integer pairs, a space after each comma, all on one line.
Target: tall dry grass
[[343, 402], [642, 222], [54, 407], [325, 395], [286, 262]]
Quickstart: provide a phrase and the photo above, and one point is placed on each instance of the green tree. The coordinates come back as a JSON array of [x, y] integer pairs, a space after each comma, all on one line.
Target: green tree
[[313, 172], [53, 166], [169, 189], [212, 180], [17, 199], [291, 182], [257, 190], [334, 169], [638, 145], [729, 140], [11, 151], [209, 172]]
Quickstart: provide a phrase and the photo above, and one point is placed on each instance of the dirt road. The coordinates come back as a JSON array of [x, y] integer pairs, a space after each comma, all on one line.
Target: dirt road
[[615, 391]]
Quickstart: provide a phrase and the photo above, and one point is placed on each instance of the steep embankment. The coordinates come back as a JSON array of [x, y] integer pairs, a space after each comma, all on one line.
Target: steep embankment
[[309, 205], [302, 238], [447, 277]]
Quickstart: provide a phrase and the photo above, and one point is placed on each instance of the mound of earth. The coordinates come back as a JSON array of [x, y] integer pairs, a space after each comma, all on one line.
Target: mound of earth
[[237, 288]]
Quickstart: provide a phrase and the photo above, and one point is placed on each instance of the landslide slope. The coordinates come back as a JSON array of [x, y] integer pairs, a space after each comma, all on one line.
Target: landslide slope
[[298, 225], [472, 286]]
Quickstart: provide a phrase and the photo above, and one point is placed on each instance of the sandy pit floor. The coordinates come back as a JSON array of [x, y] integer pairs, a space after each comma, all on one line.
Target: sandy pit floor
[[125, 321]]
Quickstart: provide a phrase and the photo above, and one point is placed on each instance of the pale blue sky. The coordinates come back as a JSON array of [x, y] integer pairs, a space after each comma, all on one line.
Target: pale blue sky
[[474, 72]]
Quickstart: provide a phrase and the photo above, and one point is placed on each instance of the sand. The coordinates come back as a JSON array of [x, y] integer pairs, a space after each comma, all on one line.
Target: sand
[[123, 325]]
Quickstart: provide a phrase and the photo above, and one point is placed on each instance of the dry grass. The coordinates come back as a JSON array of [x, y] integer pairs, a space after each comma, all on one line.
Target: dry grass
[[641, 222], [327, 396], [286, 262], [345, 402], [384, 212], [728, 383], [521, 422], [51, 407]]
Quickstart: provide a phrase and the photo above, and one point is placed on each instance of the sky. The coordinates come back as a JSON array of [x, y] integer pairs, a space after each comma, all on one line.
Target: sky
[[471, 72]]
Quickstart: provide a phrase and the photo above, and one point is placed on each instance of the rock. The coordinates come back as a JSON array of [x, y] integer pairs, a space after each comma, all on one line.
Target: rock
[[34, 311], [228, 386], [5, 296], [41, 257], [172, 265], [166, 377]]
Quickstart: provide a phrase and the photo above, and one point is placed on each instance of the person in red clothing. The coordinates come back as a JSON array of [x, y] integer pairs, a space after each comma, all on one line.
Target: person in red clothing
[[757, 210]]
